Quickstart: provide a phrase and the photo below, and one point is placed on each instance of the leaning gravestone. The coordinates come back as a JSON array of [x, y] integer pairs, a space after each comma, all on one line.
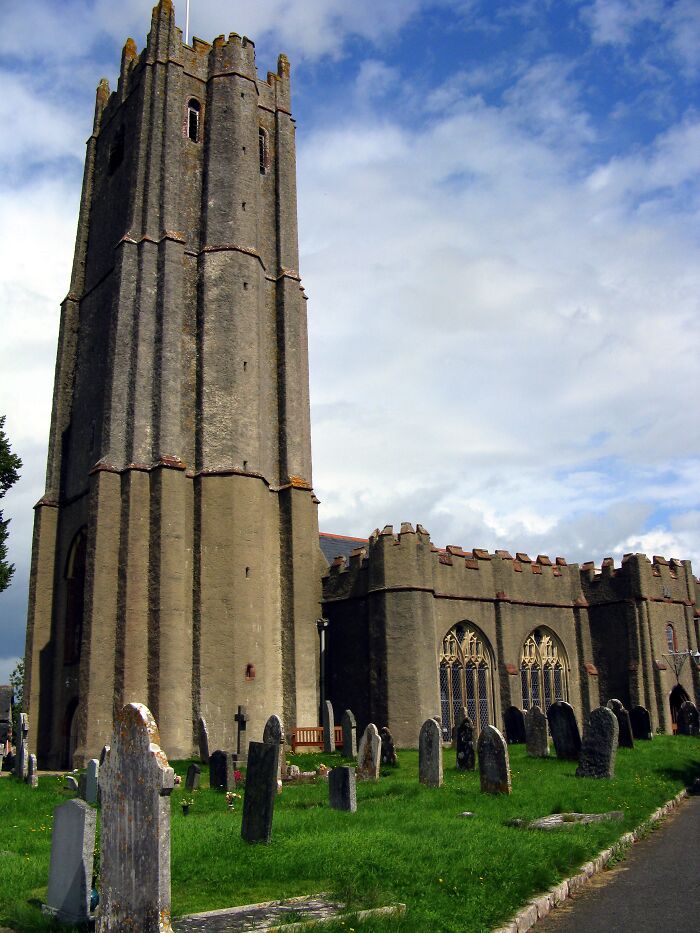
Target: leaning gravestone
[[22, 756], [273, 734], [91, 780], [564, 730], [514, 720], [260, 791], [641, 723], [464, 741], [430, 754], [536, 738], [688, 720], [193, 775], [388, 755], [349, 727], [328, 728], [222, 771], [342, 794], [599, 745], [32, 772], [369, 754], [494, 765], [625, 738], [72, 859], [203, 738], [136, 782]]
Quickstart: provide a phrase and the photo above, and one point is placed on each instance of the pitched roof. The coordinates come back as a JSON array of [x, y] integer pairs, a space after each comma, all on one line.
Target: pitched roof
[[338, 545]]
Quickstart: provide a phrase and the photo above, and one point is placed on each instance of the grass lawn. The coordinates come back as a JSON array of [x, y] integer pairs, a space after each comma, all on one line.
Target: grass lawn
[[405, 843]]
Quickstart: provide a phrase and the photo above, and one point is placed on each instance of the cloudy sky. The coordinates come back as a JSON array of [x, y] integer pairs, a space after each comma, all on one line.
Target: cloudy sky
[[499, 234]]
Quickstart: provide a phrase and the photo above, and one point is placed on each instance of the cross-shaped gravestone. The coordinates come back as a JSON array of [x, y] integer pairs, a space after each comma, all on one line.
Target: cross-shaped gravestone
[[241, 718]]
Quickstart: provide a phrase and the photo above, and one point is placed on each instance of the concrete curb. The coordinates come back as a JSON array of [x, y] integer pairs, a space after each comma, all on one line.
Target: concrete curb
[[540, 906]]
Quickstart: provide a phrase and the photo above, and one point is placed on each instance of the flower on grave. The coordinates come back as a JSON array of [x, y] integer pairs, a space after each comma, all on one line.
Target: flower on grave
[[231, 798], [322, 769], [187, 801], [238, 776]]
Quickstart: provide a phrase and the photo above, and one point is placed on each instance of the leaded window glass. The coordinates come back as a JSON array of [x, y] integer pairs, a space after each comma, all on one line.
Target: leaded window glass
[[543, 670], [465, 678]]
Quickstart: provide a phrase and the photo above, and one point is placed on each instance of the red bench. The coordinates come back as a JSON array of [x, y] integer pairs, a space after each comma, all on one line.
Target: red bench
[[312, 737]]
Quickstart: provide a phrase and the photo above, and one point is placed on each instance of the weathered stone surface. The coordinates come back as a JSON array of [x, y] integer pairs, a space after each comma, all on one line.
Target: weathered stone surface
[[328, 727], [72, 858], [536, 737], [32, 772], [193, 775], [369, 754], [342, 794], [430, 754], [599, 745], [260, 791], [688, 719], [273, 734], [464, 740], [203, 738], [641, 723], [349, 734], [625, 737], [514, 721], [564, 730], [136, 782], [70, 783], [22, 750], [494, 764], [222, 771], [388, 754], [567, 820], [92, 774]]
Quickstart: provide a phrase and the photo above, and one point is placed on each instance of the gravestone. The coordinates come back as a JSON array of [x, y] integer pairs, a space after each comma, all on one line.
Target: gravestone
[[461, 714], [349, 734], [203, 738], [564, 730], [342, 793], [625, 738], [369, 754], [22, 751], [6, 696], [328, 728], [464, 740], [536, 737], [82, 784], [514, 720], [494, 765], [388, 753], [222, 770], [260, 791], [72, 860], [273, 734], [32, 772], [599, 745], [688, 720], [641, 723], [193, 775], [430, 754], [241, 718], [70, 783], [136, 782], [92, 780], [103, 754]]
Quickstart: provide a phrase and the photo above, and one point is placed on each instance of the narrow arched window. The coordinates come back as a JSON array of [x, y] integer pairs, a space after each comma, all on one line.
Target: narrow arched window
[[263, 151], [671, 641], [194, 110], [543, 670], [75, 598]]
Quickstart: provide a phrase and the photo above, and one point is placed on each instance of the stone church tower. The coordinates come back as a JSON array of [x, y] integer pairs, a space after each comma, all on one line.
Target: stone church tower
[[175, 557]]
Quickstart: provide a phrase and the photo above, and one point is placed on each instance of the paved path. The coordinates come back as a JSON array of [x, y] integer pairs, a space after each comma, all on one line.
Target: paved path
[[656, 889]]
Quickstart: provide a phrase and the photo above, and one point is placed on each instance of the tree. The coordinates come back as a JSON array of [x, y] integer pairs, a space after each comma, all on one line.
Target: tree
[[10, 465]]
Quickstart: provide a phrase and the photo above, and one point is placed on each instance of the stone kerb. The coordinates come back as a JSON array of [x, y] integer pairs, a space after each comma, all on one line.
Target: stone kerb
[[135, 782]]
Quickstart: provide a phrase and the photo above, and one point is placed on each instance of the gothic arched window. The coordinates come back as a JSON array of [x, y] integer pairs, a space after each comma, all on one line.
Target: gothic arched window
[[194, 110], [465, 678], [75, 598], [544, 670], [671, 641]]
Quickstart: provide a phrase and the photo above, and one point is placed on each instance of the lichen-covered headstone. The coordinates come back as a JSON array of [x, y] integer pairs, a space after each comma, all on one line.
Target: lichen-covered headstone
[[494, 764], [342, 794], [625, 737], [430, 754], [72, 860], [328, 727], [222, 771], [641, 723], [514, 721], [388, 753], [22, 754], [688, 720], [599, 745], [536, 737], [260, 791], [32, 772], [203, 740], [273, 734], [194, 773], [464, 740], [564, 730], [369, 754], [136, 782], [349, 727], [91, 780]]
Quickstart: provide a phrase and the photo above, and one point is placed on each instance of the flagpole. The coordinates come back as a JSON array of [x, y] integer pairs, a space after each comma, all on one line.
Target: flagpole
[[187, 24]]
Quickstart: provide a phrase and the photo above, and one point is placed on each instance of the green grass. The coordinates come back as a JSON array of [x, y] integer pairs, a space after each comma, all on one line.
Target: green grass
[[406, 843]]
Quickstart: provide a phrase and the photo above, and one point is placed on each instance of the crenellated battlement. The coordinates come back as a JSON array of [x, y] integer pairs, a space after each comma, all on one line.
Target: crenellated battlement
[[638, 577]]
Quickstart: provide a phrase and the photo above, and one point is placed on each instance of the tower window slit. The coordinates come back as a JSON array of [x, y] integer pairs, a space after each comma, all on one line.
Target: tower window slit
[[193, 115], [263, 150]]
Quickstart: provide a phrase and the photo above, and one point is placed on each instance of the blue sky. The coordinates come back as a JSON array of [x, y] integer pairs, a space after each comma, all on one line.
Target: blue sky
[[499, 237]]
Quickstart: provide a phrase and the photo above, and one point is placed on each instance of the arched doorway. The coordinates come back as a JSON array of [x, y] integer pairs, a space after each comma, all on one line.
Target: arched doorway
[[544, 670], [676, 698], [466, 667]]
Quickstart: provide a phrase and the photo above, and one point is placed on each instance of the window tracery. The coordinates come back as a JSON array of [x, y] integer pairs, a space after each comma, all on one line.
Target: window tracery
[[543, 670], [465, 678]]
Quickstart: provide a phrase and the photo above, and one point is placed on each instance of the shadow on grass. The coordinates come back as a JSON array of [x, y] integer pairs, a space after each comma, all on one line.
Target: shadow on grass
[[687, 774]]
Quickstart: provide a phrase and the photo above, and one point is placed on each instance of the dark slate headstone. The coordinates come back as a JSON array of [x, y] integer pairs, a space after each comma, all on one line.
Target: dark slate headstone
[[260, 791], [21, 744], [536, 737], [514, 720], [430, 754], [222, 772], [464, 740], [388, 754], [688, 720], [494, 766], [72, 859], [349, 734], [564, 730], [203, 739], [328, 728], [192, 779], [92, 776], [625, 738], [641, 723], [342, 794], [599, 745]]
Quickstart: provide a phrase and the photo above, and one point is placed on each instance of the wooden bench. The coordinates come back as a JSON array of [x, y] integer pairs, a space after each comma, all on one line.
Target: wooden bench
[[312, 737]]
